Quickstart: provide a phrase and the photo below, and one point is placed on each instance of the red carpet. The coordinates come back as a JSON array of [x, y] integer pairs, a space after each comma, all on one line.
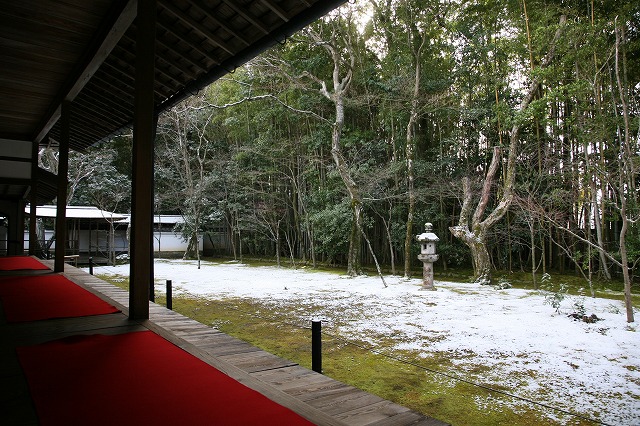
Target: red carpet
[[138, 378], [17, 263], [32, 298]]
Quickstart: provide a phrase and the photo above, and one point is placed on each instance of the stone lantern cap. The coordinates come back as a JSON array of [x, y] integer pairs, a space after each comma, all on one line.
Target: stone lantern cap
[[427, 235]]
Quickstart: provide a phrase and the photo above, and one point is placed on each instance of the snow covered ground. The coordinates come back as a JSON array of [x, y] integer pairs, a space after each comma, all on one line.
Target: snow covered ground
[[593, 369]]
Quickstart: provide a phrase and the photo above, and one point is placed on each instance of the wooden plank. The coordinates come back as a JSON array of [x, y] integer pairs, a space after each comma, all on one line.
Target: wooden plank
[[370, 413], [408, 418], [325, 396], [228, 348], [191, 23], [296, 380], [205, 334], [67, 14], [346, 400], [109, 294], [175, 322], [289, 376], [257, 361], [37, 339]]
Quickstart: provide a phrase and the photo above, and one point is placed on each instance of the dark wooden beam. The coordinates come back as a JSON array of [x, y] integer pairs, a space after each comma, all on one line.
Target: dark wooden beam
[[17, 159], [33, 200], [170, 63], [281, 33], [106, 39], [159, 71], [276, 9], [167, 54], [193, 46], [124, 97], [14, 181], [110, 105], [208, 13], [198, 26], [247, 16], [63, 169], [144, 126], [125, 73]]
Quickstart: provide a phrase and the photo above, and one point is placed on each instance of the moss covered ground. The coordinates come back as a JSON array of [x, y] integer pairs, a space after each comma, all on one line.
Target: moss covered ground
[[408, 382]]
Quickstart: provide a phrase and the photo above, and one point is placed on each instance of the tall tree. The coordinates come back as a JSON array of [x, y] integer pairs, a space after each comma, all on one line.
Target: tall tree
[[473, 229], [415, 64], [341, 50], [185, 143], [628, 172], [106, 188]]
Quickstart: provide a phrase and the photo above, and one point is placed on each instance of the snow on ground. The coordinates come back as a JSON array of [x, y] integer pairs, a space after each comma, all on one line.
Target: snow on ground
[[592, 369]]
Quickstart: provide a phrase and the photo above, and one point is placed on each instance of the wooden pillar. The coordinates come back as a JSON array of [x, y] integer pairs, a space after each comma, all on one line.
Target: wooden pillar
[[21, 206], [15, 232], [33, 201], [63, 168], [144, 124]]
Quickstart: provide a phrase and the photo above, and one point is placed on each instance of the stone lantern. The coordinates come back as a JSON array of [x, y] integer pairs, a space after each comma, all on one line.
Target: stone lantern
[[427, 255]]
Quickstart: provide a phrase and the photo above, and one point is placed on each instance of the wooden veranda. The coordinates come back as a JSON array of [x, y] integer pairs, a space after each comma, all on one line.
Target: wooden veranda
[[316, 397]]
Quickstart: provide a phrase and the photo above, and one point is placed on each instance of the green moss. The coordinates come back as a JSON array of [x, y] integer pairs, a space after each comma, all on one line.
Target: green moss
[[411, 383]]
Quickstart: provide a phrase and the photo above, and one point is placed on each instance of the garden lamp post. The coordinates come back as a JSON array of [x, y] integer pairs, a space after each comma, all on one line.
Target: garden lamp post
[[427, 255]]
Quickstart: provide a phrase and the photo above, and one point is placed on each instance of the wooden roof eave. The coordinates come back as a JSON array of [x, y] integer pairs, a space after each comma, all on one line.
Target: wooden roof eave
[[280, 35], [99, 49], [219, 69]]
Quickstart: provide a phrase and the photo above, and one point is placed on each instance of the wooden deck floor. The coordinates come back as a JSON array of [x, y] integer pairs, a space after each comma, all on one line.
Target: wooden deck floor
[[319, 398]]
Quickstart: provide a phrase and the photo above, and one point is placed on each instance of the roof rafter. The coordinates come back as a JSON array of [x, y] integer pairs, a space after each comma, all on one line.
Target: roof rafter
[[221, 24], [106, 39], [276, 9], [194, 47], [247, 17], [198, 26]]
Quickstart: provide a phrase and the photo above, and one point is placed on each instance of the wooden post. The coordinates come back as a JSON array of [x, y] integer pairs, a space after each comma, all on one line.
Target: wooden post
[[63, 168], [316, 346], [169, 295], [90, 265], [33, 202], [15, 231], [144, 122]]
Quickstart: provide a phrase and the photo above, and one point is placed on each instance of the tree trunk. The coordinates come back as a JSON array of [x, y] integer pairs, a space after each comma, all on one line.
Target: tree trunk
[[112, 245], [533, 252], [355, 241], [40, 231], [472, 230], [626, 183], [341, 86], [479, 253], [277, 241], [192, 250], [604, 267], [387, 228], [410, 153]]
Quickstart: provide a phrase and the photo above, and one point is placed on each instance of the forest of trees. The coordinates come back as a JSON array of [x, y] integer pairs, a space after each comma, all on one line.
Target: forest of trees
[[511, 125]]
